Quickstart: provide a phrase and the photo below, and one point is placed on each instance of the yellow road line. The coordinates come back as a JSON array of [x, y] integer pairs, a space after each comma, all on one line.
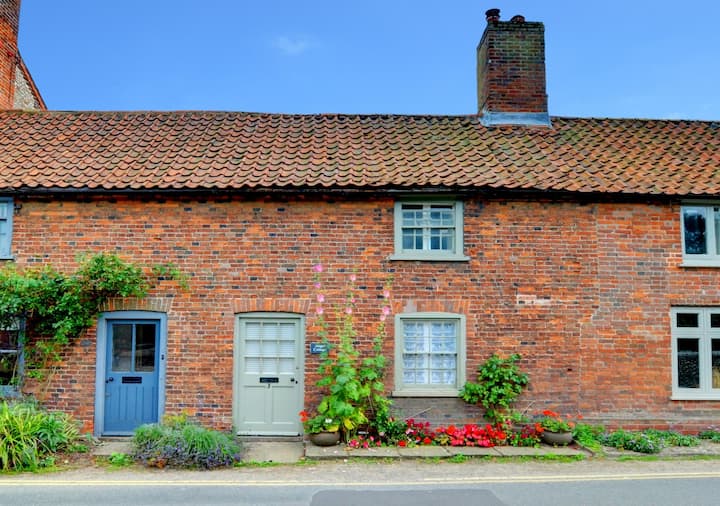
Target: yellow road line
[[13, 482]]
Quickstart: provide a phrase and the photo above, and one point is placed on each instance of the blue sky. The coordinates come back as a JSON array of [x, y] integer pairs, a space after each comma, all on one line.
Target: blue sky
[[630, 59]]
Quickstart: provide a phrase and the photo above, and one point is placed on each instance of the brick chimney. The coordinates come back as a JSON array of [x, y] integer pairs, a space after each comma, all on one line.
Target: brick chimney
[[511, 72], [9, 56]]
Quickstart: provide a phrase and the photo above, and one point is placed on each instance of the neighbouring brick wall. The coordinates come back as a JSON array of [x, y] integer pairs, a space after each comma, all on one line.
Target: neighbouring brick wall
[[9, 17], [581, 291]]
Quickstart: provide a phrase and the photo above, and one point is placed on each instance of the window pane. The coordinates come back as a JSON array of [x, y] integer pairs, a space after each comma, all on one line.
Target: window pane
[[687, 320], [121, 347], [715, 320], [429, 353], [145, 348], [694, 224], [688, 363], [716, 363], [8, 367]]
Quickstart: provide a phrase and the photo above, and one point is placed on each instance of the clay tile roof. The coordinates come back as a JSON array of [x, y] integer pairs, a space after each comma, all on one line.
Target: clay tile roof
[[120, 151]]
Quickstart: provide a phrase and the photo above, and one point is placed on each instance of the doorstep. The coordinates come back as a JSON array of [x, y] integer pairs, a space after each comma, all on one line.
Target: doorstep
[[432, 452]]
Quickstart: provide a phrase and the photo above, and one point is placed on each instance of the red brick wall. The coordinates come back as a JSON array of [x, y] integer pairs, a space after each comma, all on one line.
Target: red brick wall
[[581, 291]]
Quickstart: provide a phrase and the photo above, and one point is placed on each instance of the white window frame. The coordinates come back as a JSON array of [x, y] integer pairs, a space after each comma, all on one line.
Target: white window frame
[[705, 334], [712, 257], [403, 390], [427, 254], [6, 222]]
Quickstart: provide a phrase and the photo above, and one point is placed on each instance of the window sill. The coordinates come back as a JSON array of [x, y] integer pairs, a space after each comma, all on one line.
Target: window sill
[[699, 396], [697, 262], [448, 257], [426, 392]]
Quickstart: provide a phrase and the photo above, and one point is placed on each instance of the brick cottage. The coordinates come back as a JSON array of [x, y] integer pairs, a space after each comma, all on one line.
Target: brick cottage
[[589, 246]]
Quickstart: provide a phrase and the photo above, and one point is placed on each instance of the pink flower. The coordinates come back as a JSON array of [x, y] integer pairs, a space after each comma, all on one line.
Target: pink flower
[[317, 268], [320, 297], [317, 284], [386, 310], [353, 277], [386, 293], [319, 310], [382, 317], [348, 310]]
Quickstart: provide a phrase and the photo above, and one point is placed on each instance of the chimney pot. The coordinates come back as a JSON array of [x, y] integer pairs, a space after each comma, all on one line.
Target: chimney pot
[[517, 19], [492, 15]]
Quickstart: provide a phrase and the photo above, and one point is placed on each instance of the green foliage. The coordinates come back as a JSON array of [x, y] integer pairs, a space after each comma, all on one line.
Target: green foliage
[[499, 383], [171, 271], [58, 307], [180, 443], [647, 441], [354, 385], [118, 459], [712, 435], [589, 436], [29, 436]]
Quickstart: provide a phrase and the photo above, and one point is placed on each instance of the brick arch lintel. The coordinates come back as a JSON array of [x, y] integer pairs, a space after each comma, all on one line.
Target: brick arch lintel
[[455, 306], [279, 305], [156, 304]]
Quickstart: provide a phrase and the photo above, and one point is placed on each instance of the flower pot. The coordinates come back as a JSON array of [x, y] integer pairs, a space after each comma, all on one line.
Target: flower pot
[[557, 438], [325, 438]]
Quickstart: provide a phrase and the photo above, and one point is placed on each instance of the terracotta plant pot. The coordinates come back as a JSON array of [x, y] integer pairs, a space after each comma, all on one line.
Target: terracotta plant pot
[[557, 438], [325, 438]]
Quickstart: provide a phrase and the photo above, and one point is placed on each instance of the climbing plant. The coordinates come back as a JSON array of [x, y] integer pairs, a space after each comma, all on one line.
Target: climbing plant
[[57, 307]]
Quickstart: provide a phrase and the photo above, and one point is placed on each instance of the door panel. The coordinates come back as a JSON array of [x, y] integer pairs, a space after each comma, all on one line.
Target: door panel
[[268, 372], [131, 378]]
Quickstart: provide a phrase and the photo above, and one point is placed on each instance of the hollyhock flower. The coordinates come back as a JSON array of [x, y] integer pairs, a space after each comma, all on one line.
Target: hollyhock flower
[[319, 310], [317, 285], [386, 294], [386, 310], [320, 297], [353, 277], [348, 310], [317, 268], [382, 317]]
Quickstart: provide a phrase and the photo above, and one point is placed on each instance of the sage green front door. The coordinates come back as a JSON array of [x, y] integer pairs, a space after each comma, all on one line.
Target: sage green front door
[[268, 383]]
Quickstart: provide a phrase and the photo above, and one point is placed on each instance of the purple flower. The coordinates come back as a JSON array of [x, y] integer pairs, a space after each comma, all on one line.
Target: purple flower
[[317, 268]]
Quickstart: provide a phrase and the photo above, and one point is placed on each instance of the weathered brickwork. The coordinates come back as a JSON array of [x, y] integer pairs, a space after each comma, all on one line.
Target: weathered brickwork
[[582, 291]]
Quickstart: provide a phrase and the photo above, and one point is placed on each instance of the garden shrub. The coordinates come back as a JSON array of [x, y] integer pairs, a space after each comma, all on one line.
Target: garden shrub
[[180, 443], [647, 441], [29, 436], [712, 435]]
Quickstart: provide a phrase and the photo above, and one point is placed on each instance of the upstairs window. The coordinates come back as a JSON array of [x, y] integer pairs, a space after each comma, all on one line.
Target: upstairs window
[[6, 212], [429, 230], [696, 353], [701, 235]]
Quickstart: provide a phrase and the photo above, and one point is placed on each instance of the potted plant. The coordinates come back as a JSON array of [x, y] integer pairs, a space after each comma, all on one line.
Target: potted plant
[[556, 429], [499, 383], [322, 430]]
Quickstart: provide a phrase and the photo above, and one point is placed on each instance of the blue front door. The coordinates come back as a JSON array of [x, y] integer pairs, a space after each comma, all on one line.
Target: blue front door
[[131, 375]]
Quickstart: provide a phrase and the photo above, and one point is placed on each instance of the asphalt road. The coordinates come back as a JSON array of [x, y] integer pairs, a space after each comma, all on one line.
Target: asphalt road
[[416, 483]]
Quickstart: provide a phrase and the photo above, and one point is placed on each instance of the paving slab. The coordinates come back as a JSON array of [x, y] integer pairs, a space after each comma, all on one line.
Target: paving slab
[[526, 451], [424, 452], [473, 451], [107, 448], [285, 452]]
